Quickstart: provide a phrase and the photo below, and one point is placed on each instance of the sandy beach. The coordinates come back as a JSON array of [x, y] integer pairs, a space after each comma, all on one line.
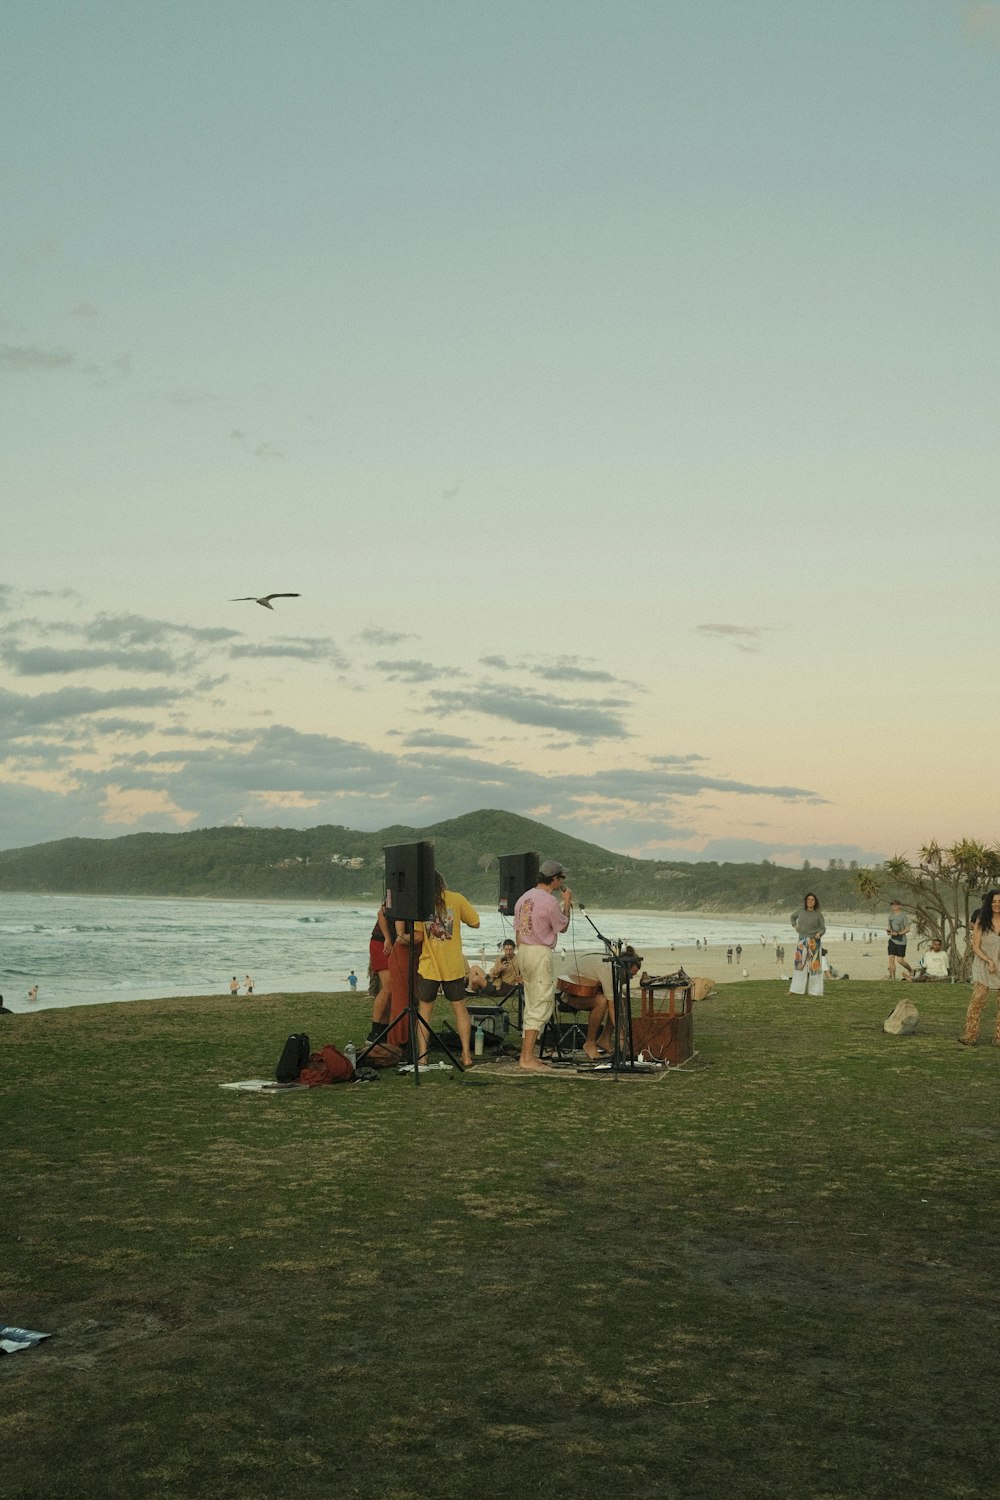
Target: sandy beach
[[857, 959]]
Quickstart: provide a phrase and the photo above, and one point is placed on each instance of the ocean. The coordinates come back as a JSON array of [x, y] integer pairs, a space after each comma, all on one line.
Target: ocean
[[89, 950]]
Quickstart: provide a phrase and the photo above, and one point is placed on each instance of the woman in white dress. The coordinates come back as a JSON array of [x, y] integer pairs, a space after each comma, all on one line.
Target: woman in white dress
[[985, 968], [807, 976]]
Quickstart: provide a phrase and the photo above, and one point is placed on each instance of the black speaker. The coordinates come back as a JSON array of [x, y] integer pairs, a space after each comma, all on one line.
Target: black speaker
[[518, 873], [409, 881]]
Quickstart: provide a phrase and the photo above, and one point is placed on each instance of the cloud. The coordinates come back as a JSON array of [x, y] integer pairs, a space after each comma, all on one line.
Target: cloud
[[676, 760], [340, 781], [753, 851], [21, 714], [376, 637], [753, 630], [257, 448], [744, 637], [585, 720], [411, 671], [44, 661], [301, 648], [430, 739], [25, 359], [568, 671], [562, 669], [139, 804], [136, 630]]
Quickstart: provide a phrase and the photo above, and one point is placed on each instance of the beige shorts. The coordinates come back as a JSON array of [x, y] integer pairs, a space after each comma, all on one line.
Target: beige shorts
[[538, 972]]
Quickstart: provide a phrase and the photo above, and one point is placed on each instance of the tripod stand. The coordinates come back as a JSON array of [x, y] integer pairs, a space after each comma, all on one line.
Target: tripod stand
[[416, 1020]]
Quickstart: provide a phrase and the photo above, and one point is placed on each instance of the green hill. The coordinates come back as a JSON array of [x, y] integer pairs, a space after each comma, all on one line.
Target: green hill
[[331, 863]]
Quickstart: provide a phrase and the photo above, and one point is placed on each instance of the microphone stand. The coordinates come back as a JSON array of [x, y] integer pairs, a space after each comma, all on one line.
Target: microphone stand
[[623, 1054]]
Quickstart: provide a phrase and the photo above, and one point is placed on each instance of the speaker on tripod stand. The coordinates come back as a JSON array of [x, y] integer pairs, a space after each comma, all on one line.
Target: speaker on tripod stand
[[409, 881]]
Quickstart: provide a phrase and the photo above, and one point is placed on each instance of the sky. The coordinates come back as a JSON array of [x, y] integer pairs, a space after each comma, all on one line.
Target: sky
[[616, 386]]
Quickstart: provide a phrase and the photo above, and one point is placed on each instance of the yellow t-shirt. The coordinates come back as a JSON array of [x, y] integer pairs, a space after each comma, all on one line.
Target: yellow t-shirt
[[441, 956]]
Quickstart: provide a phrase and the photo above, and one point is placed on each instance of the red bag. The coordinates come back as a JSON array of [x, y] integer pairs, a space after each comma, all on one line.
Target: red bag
[[327, 1066]]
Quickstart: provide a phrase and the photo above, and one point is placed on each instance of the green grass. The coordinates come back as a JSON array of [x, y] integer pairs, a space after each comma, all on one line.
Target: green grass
[[771, 1275]]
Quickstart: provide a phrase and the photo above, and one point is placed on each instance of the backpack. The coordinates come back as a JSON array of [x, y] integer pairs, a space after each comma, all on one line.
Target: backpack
[[327, 1066], [294, 1056]]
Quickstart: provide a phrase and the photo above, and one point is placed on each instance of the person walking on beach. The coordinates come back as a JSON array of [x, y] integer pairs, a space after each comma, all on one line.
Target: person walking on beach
[[249, 984], [985, 969], [442, 964], [899, 926], [807, 976], [234, 986], [538, 920], [33, 992], [352, 980]]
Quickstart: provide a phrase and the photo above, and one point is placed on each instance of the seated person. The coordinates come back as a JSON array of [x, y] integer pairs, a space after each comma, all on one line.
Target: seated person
[[503, 978], [601, 1022], [933, 967], [475, 979]]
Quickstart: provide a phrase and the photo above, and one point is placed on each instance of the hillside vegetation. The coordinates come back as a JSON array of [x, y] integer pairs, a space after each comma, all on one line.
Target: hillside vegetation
[[331, 863]]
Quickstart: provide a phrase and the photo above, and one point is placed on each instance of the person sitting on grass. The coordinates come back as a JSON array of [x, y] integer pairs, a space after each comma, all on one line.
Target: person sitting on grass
[[933, 967]]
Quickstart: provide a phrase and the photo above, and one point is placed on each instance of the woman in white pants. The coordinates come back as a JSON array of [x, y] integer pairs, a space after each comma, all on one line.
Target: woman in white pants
[[807, 976]]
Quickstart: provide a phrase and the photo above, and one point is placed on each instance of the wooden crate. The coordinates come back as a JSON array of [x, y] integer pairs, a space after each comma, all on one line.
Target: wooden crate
[[665, 1026]]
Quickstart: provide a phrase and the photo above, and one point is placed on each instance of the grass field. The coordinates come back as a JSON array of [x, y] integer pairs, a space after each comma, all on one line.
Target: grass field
[[771, 1274]]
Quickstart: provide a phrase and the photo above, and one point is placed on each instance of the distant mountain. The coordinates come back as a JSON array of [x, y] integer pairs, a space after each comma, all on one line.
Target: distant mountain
[[331, 863]]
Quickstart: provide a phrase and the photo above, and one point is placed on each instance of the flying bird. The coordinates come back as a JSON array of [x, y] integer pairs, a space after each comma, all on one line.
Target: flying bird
[[266, 601]]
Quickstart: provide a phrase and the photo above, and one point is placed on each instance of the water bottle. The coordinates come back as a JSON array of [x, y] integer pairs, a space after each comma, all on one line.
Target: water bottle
[[480, 1041], [351, 1053]]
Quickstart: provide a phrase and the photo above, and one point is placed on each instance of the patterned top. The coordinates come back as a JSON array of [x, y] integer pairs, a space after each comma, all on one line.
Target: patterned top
[[989, 941]]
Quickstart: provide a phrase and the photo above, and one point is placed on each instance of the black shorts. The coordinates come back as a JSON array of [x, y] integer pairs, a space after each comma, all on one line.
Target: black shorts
[[454, 989], [898, 950]]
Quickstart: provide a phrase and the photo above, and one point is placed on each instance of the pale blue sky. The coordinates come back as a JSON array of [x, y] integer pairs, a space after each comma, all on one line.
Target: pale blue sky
[[651, 348]]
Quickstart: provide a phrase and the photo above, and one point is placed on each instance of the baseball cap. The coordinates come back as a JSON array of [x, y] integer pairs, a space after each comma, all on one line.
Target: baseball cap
[[551, 867]]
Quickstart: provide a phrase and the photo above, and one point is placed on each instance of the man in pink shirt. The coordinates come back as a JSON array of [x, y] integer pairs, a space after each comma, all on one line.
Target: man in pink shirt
[[538, 920]]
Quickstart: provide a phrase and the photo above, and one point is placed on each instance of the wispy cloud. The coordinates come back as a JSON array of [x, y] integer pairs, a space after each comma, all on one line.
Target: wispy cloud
[[374, 636], [743, 637], [300, 648], [20, 712], [42, 661], [26, 359], [411, 671], [585, 720], [259, 449], [560, 669], [432, 739]]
